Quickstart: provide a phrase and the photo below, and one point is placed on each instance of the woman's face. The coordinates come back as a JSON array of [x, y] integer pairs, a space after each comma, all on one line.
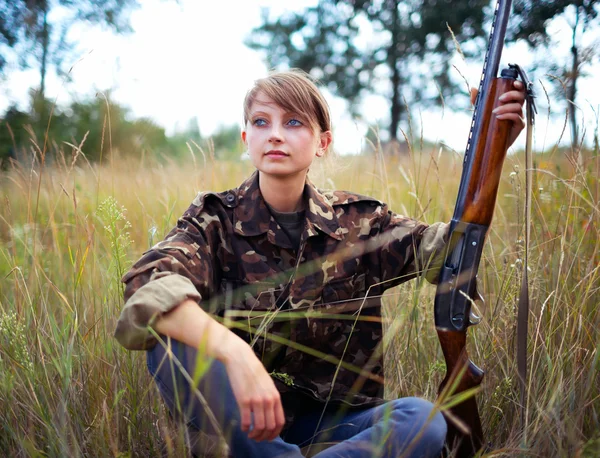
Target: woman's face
[[281, 143]]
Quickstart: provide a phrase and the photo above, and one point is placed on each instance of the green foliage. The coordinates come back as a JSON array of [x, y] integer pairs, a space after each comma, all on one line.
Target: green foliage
[[531, 18], [13, 132], [40, 37], [12, 16], [107, 128], [228, 143], [187, 139], [97, 128], [224, 144], [101, 129], [411, 46], [531, 21]]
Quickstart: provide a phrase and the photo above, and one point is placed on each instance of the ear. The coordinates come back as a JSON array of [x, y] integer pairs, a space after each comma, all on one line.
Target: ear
[[244, 137], [325, 139]]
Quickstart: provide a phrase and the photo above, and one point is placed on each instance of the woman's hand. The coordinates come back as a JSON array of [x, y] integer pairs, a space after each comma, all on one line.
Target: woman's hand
[[511, 108], [254, 391], [252, 385]]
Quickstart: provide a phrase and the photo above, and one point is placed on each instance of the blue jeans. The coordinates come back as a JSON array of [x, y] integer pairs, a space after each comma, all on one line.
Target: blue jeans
[[404, 427]]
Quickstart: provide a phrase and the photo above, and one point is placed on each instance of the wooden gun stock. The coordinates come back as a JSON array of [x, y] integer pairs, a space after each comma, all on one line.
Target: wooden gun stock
[[453, 345], [489, 157]]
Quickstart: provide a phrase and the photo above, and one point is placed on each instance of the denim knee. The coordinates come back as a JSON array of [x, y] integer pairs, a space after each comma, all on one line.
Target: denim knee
[[429, 428]]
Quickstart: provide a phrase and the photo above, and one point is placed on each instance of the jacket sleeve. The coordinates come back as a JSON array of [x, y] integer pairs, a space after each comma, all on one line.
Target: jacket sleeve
[[407, 248], [178, 268]]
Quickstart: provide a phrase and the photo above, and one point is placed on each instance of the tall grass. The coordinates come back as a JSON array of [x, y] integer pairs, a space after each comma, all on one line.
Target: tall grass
[[69, 231]]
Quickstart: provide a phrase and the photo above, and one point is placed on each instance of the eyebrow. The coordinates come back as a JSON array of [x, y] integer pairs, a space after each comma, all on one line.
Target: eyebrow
[[286, 113]]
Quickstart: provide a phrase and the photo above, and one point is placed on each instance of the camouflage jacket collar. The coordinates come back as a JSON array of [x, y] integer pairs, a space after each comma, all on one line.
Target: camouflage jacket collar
[[252, 216]]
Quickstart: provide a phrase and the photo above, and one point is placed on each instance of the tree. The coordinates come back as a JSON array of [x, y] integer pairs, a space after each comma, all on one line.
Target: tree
[[531, 22], [411, 46], [13, 134], [107, 128], [227, 142], [40, 37]]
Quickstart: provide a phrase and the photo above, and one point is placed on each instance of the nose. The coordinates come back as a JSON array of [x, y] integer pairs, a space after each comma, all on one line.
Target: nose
[[275, 134]]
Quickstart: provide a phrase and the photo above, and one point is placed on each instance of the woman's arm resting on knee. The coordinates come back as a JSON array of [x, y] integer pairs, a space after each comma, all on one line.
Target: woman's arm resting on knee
[[253, 387]]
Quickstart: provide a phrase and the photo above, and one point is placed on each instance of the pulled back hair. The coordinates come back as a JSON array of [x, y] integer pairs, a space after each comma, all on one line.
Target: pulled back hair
[[294, 91]]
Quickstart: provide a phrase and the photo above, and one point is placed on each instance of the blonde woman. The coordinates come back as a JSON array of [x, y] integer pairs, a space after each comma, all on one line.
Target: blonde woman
[[297, 273]]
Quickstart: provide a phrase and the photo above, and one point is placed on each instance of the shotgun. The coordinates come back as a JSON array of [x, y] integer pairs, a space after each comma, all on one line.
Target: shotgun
[[484, 156]]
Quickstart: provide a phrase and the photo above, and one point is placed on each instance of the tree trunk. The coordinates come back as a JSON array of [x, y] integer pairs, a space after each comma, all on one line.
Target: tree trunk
[[395, 78], [45, 42], [572, 89]]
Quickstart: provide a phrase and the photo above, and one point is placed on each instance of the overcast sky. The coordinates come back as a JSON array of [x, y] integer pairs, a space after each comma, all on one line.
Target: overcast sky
[[187, 59]]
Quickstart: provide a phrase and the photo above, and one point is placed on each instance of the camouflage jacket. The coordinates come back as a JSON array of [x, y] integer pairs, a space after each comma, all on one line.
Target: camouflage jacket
[[312, 316]]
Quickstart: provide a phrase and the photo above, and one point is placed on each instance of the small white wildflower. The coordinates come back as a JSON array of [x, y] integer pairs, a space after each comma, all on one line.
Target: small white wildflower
[[116, 225], [13, 341]]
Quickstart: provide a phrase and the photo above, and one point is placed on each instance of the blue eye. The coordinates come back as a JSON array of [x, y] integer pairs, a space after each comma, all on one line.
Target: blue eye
[[259, 122], [294, 122]]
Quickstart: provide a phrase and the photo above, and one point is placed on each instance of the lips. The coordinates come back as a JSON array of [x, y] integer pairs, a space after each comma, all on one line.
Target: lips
[[276, 153]]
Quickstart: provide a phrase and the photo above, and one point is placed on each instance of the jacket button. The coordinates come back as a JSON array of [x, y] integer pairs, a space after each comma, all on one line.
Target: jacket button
[[230, 198]]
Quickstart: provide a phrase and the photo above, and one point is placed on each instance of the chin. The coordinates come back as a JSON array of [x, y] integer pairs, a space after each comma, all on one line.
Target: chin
[[281, 172]]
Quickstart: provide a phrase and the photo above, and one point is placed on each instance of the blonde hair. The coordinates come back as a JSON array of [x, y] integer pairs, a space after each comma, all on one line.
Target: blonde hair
[[293, 90]]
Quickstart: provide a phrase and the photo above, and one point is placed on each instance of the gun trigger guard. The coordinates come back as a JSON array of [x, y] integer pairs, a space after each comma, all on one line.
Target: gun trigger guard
[[474, 319]]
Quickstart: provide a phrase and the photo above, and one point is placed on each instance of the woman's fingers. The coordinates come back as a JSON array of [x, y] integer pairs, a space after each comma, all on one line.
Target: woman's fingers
[[515, 117], [508, 108], [268, 417], [245, 414], [267, 424], [259, 401], [474, 93], [258, 414], [511, 109], [515, 95], [512, 96], [279, 420]]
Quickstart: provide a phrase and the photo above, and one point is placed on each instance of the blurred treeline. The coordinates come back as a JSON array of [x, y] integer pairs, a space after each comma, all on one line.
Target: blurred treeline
[[98, 126]]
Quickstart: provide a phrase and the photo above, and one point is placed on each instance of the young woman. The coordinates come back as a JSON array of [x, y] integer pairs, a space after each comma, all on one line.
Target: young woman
[[278, 284]]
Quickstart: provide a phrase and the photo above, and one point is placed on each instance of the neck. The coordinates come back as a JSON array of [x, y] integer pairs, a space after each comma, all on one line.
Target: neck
[[283, 195]]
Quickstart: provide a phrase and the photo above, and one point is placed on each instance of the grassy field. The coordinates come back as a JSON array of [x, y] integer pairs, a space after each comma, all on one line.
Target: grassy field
[[68, 231]]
